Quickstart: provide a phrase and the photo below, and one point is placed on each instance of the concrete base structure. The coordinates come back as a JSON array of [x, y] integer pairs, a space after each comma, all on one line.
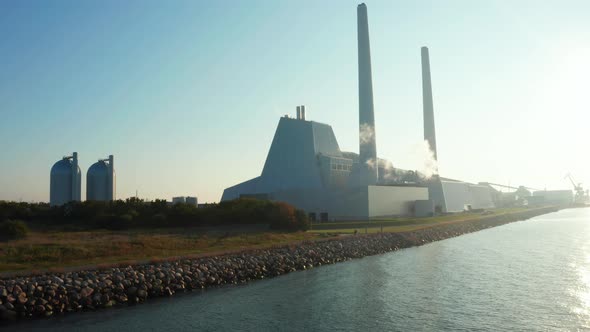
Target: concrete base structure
[[357, 203], [456, 196], [424, 208], [385, 201]]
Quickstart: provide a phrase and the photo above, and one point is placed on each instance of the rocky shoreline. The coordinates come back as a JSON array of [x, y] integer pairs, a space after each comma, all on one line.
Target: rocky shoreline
[[58, 293]]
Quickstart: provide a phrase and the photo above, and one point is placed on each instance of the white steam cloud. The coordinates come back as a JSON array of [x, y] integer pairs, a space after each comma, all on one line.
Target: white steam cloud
[[428, 165], [386, 169]]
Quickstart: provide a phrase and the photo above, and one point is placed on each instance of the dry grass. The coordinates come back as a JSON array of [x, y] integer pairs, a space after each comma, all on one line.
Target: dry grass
[[54, 250]]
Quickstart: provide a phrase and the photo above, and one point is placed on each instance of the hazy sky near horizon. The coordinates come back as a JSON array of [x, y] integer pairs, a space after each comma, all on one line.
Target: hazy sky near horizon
[[187, 94]]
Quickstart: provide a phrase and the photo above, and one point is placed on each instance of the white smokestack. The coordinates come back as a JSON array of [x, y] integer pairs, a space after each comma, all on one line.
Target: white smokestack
[[367, 142], [427, 102], [302, 112]]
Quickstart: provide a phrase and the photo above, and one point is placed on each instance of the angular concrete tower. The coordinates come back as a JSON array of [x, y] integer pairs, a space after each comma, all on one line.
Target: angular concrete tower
[[429, 132], [367, 145]]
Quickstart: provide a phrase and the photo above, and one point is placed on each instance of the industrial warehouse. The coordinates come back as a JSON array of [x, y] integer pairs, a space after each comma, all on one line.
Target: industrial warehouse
[[306, 168]]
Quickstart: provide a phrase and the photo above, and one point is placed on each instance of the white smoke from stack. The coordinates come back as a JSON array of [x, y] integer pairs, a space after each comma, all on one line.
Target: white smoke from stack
[[421, 159], [385, 167], [428, 166], [371, 163], [366, 135]]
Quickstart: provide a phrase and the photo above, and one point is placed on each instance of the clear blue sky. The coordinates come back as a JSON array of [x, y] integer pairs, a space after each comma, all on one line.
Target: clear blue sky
[[187, 94]]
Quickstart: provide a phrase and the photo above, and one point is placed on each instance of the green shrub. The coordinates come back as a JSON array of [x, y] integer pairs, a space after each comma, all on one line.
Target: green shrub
[[286, 217], [302, 220], [133, 213], [159, 219], [13, 229], [114, 222]]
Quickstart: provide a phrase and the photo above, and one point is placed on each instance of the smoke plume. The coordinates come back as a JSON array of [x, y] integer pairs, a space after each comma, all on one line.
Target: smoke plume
[[429, 165], [386, 168]]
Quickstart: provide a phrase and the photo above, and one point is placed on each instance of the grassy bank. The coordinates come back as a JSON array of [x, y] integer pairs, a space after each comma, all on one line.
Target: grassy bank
[[55, 250], [43, 250]]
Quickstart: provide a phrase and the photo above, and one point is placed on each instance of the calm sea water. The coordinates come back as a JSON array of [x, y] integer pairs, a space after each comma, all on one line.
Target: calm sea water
[[528, 276]]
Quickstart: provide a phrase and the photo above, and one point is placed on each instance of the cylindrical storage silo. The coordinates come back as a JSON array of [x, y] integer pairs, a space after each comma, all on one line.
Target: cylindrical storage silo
[[97, 182], [65, 181]]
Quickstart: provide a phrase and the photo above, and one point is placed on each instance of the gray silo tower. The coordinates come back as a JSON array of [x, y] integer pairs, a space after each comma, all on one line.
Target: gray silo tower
[[65, 181], [100, 180]]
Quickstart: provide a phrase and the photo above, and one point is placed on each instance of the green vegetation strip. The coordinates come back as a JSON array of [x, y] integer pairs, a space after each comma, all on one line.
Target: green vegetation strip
[[406, 224], [58, 250]]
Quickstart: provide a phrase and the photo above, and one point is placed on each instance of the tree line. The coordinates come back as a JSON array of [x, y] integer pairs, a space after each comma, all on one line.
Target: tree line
[[137, 213]]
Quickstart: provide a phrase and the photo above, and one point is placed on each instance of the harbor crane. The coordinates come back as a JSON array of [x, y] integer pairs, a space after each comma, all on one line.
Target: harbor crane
[[581, 196]]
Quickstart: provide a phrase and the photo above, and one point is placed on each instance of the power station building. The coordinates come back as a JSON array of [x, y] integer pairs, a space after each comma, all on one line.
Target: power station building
[[65, 181], [100, 180], [306, 168]]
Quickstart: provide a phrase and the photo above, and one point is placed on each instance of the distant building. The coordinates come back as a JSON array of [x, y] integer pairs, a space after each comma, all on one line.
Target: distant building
[[192, 201], [179, 199], [534, 201], [556, 197]]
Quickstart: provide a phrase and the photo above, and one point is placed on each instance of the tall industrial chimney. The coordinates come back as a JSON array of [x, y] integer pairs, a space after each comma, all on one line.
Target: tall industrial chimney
[[302, 112], [429, 132], [367, 146], [298, 112]]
